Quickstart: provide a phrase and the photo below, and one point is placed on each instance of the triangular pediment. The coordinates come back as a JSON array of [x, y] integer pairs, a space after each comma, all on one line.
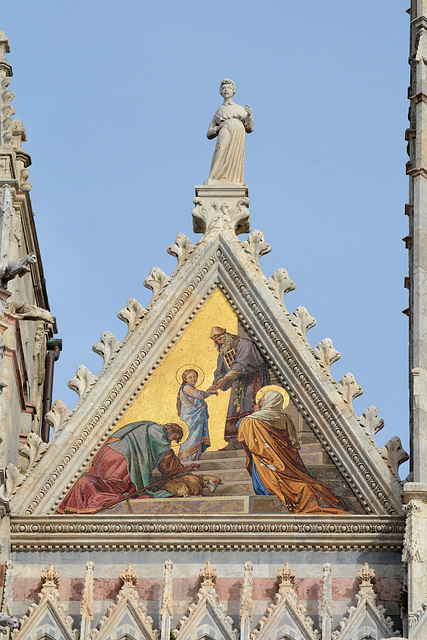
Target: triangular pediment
[[217, 282]]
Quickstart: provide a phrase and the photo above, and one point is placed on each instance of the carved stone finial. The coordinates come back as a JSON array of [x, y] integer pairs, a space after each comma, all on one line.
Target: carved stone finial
[[394, 454], [280, 284], [82, 381], [326, 354], [371, 422], [128, 577], [132, 313], [366, 578], [50, 579], [285, 578], [349, 389], [181, 248], [208, 577], [256, 246], [302, 321], [156, 281]]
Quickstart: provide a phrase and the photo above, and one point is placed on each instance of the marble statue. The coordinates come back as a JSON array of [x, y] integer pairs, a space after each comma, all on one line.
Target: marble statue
[[229, 125]]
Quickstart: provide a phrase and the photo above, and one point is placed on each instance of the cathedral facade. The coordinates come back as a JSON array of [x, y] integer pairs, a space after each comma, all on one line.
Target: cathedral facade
[[213, 479]]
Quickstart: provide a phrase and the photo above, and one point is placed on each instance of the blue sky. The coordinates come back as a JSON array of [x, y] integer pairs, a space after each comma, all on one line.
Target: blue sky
[[116, 99]]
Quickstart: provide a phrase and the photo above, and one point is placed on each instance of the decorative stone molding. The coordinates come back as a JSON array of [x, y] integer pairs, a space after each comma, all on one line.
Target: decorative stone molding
[[181, 249], [132, 314], [219, 532], [58, 416], [394, 454], [280, 284], [14, 478], [82, 381], [371, 422], [256, 246], [126, 616], [326, 354], [302, 321], [107, 347], [33, 450], [349, 389], [156, 281], [421, 53]]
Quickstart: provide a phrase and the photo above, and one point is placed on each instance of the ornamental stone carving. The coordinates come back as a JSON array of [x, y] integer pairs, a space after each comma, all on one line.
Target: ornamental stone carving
[[326, 354], [107, 347], [132, 314], [280, 284], [181, 248], [14, 479], [82, 381], [394, 454], [302, 321], [210, 211], [371, 422], [33, 450], [256, 246], [58, 416], [24, 311], [156, 281], [349, 389]]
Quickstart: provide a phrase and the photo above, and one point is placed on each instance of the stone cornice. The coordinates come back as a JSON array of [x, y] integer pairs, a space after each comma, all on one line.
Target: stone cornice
[[206, 531]]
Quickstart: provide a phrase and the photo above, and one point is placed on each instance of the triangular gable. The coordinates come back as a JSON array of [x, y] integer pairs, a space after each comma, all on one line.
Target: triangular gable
[[219, 262], [285, 618], [367, 619], [48, 618], [206, 619], [126, 617]]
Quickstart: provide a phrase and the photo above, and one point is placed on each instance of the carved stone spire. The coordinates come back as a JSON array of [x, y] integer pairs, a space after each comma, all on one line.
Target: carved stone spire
[[128, 578], [50, 579], [366, 577], [246, 602], [166, 608]]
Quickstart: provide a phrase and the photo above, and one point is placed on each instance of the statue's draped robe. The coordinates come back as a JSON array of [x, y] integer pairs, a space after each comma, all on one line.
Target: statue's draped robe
[[246, 360], [229, 156], [193, 410], [277, 469], [122, 466]]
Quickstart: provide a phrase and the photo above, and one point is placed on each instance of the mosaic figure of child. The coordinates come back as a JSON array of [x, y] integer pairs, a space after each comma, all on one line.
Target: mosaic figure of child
[[193, 410]]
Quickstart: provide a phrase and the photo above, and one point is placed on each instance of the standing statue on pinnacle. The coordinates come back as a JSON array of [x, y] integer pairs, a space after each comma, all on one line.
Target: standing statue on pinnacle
[[229, 125]]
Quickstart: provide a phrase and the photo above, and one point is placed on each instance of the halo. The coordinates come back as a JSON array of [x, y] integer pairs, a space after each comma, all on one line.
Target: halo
[[274, 387], [181, 370]]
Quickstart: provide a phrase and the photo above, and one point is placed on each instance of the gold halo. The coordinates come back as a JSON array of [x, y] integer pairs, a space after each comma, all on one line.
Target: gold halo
[[181, 370], [274, 387]]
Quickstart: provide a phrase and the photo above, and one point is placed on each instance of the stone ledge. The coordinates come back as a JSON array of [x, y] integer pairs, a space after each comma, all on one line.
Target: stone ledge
[[206, 531]]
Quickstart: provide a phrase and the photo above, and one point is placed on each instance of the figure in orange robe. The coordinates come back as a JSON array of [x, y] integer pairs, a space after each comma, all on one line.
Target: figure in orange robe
[[270, 441]]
